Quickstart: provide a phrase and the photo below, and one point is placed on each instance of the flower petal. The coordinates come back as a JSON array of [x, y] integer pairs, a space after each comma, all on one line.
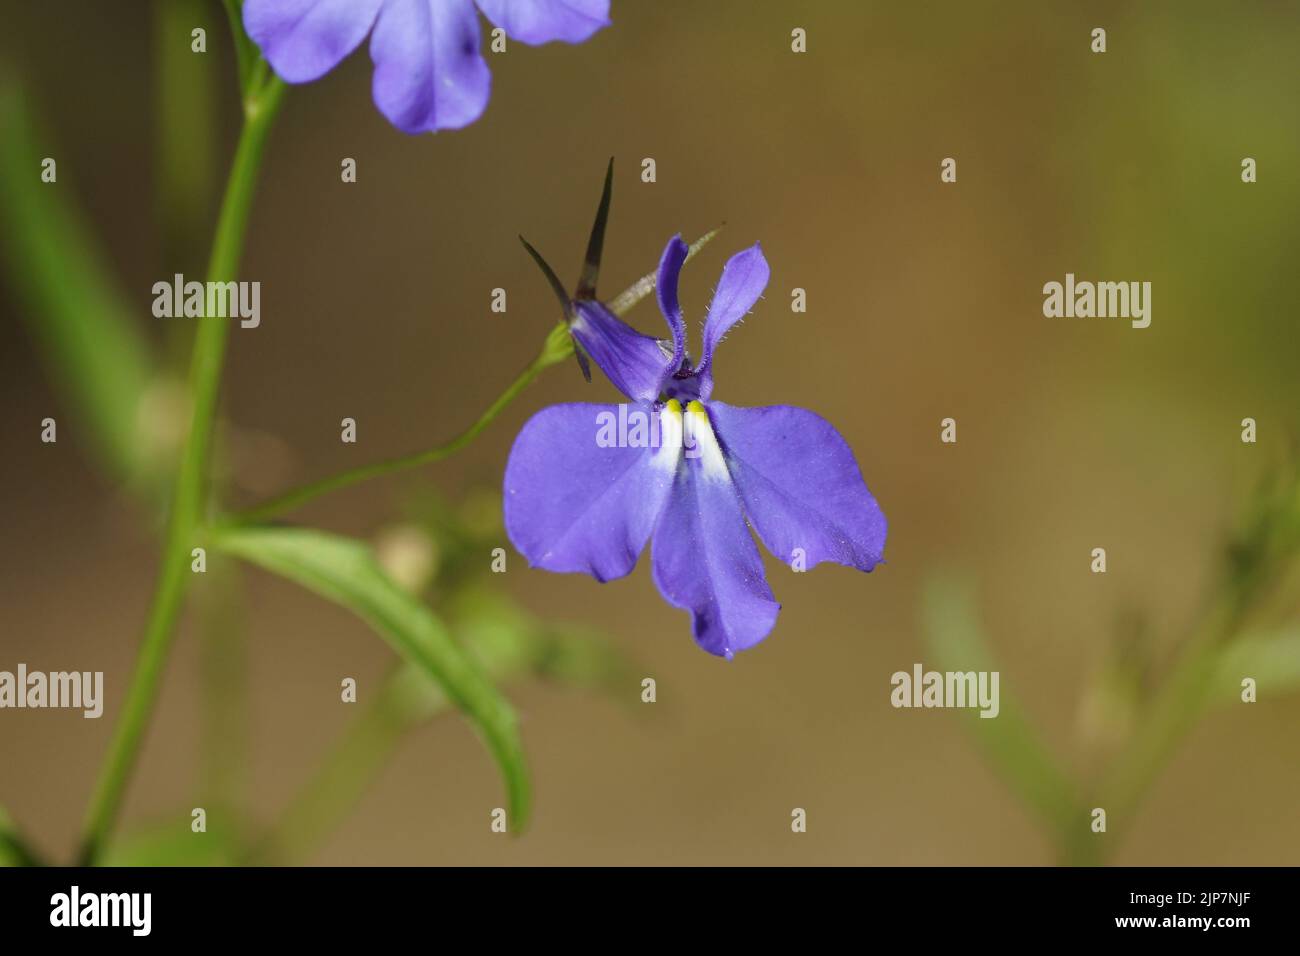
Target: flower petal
[[744, 278], [429, 73], [305, 39], [637, 364], [541, 21], [670, 270], [581, 494], [801, 485], [704, 558]]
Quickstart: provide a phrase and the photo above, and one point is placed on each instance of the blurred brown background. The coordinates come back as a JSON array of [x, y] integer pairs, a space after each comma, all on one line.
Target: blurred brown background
[[924, 301]]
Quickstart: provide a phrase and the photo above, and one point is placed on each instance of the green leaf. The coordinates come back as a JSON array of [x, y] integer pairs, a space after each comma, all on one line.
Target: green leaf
[[956, 642], [81, 321], [345, 571], [505, 641]]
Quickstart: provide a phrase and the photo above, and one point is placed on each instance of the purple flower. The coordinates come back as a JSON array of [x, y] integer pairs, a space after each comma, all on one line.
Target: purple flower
[[588, 485], [429, 74]]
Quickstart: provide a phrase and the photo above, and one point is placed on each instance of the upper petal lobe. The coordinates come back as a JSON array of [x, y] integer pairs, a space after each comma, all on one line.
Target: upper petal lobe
[[744, 278], [801, 485], [541, 21], [704, 557], [429, 73], [305, 39], [574, 501], [670, 270]]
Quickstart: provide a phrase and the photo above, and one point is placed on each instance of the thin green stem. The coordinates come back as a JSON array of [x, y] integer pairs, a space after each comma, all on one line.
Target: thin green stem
[[245, 52], [558, 347], [190, 491], [404, 701], [1173, 713], [1266, 549]]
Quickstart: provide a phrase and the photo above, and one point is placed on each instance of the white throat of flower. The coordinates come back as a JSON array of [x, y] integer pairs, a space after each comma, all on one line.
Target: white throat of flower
[[701, 444]]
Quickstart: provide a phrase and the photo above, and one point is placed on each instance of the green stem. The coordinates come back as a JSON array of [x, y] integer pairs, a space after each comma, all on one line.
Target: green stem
[[245, 52], [558, 347], [190, 491], [1176, 709], [404, 701], [1258, 561]]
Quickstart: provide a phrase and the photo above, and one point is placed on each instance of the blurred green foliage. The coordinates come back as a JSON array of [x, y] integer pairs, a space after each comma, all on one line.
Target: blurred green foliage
[[437, 552], [346, 572], [1146, 718], [75, 310]]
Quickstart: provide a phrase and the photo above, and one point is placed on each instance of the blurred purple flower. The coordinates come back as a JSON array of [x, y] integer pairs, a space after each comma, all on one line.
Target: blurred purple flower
[[429, 74], [585, 490]]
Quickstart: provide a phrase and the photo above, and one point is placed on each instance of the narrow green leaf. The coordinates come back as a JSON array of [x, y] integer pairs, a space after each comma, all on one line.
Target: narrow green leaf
[[956, 642], [77, 315], [506, 643], [345, 571]]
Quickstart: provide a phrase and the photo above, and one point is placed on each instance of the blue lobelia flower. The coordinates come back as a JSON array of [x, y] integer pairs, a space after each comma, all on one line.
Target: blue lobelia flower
[[586, 486], [429, 73]]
